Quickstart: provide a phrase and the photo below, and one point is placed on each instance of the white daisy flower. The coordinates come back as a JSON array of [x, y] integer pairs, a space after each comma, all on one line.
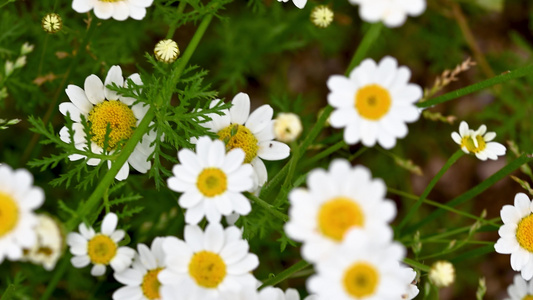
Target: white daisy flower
[[49, 245], [18, 200], [409, 278], [374, 103], [211, 181], [119, 10], [391, 12], [478, 142], [298, 3], [336, 201], [102, 107], [214, 264], [141, 279], [520, 289], [516, 234], [363, 267], [100, 249], [253, 133]]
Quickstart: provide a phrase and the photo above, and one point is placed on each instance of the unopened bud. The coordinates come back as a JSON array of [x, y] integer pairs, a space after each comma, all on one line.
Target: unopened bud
[[287, 127], [322, 16], [442, 273], [166, 51], [52, 23]]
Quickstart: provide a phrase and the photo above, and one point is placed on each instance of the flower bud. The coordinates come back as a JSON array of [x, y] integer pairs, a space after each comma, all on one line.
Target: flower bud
[[442, 273], [52, 23], [166, 51], [287, 127], [322, 16]]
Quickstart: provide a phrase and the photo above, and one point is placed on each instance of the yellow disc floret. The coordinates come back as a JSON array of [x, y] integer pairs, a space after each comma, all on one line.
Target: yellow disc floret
[[151, 284], [207, 268], [101, 249], [528, 297], [361, 280], [120, 118], [9, 214], [524, 233], [338, 215], [238, 136], [468, 143], [372, 102], [212, 182]]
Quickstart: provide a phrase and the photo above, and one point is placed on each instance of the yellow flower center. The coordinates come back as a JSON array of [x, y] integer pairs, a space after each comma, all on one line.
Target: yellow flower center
[[101, 249], [151, 284], [361, 280], [238, 136], [468, 142], [121, 122], [372, 102], [338, 215], [9, 214], [524, 233], [212, 182], [207, 268], [528, 297]]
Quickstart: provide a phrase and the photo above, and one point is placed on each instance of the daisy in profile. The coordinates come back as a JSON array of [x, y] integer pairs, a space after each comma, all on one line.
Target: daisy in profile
[[374, 102], [253, 133], [210, 264], [336, 201], [520, 289], [211, 181], [363, 267], [18, 200], [391, 12], [119, 10], [298, 3], [49, 246], [141, 279], [478, 142], [516, 235], [103, 107], [100, 249]]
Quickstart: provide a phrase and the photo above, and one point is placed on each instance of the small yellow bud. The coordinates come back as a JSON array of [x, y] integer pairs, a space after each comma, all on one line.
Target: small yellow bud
[[52, 23], [166, 51], [442, 273], [287, 127], [322, 16]]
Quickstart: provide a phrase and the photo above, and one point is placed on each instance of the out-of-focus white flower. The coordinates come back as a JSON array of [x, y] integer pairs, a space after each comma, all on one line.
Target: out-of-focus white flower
[[442, 273], [391, 12], [520, 289], [119, 10], [49, 244], [298, 3]]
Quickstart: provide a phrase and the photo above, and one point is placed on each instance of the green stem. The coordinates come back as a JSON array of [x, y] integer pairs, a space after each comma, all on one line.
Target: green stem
[[440, 205], [285, 274], [370, 37], [287, 184], [521, 72], [430, 186], [172, 28], [325, 153], [268, 207], [58, 273], [416, 264], [478, 189]]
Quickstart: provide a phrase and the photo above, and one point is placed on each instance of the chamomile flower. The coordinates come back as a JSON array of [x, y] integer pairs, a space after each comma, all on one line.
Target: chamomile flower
[[211, 181], [141, 279], [391, 12], [18, 200], [298, 3], [102, 107], [516, 234], [119, 10], [214, 264], [520, 289], [374, 103], [253, 133], [100, 249], [478, 142], [49, 245], [363, 267], [336, 201], [409, 277]]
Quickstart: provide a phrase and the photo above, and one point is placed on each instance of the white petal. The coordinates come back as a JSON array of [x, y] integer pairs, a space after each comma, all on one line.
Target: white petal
[[109, 224], [77, 96], [71, 109], [82, 6], [103, 10], [121, 11], [94, 89], [260, 118], [80, 261], [129, 277], [240, 109], [98, 270], [214, 237], [273, 150]]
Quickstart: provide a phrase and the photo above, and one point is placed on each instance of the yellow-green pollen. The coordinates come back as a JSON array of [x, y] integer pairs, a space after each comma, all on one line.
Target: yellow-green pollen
[[338, 215], [372, 102], [238, 136], [468, 143], [101, 249], [151, 284], [361, 280], [121, 120], [9, 214], [212, 182], [524, 233], [207, 269]]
